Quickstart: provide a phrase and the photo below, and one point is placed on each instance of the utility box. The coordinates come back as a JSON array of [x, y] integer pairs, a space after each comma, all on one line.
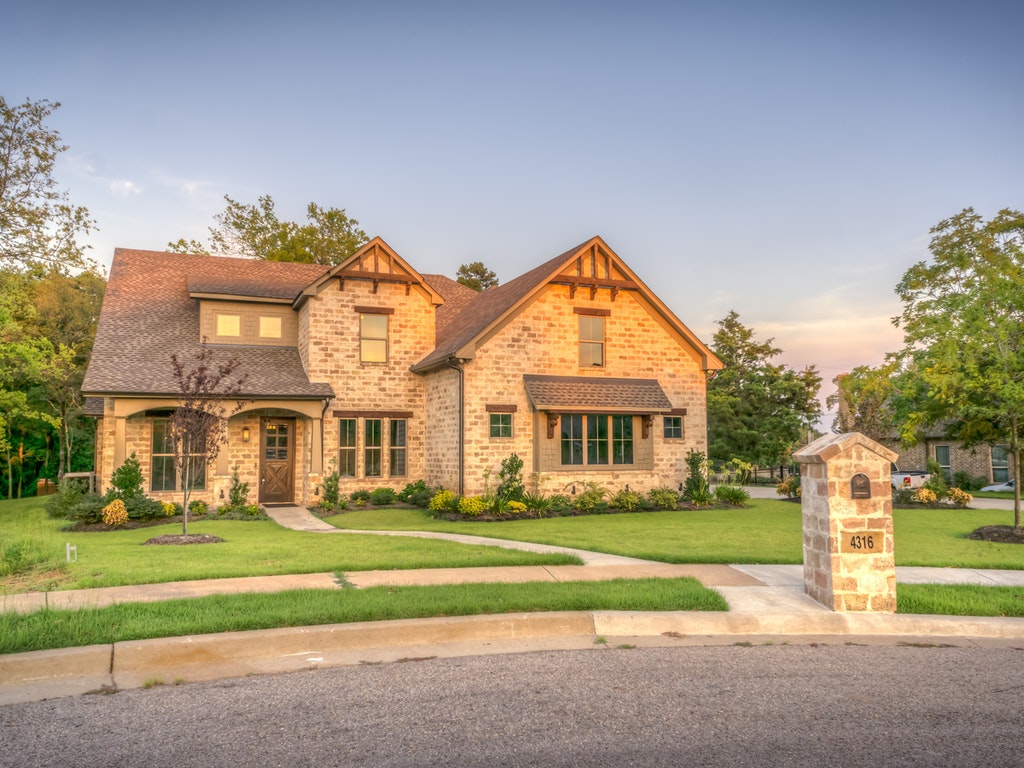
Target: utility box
[[846, 498]]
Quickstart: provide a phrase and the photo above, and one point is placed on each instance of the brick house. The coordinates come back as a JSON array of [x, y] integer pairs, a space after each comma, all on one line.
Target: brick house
[[388, 376]]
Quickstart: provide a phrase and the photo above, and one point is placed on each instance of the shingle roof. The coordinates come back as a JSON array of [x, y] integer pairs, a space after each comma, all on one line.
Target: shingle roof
[[148, 316], [456, 298], [585, 393]]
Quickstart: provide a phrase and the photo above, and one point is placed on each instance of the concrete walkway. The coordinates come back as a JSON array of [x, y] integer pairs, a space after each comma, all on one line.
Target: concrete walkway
[[767, 604]]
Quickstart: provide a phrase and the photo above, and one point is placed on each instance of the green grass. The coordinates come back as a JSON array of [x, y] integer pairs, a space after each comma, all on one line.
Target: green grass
[[251, 548], [768, 531], [234, 613], [960, 600]]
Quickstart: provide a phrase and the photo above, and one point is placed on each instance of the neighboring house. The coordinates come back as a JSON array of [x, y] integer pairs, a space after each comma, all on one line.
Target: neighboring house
[[388, 376], [992, 463]]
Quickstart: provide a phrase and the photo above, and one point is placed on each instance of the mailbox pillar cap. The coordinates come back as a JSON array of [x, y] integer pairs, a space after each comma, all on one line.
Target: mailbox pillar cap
[[828, 447]]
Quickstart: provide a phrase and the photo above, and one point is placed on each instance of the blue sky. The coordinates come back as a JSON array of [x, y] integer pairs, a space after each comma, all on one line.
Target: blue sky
[[785, 160]]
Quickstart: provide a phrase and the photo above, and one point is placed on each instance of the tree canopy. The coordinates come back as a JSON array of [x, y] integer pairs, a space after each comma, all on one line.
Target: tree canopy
[[476, 276], [963, 325], [329, 236], [39, 226], [863, 403], [758, 411]]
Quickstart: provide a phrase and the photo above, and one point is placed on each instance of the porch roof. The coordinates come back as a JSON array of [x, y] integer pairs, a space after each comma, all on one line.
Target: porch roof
[[583, 394]]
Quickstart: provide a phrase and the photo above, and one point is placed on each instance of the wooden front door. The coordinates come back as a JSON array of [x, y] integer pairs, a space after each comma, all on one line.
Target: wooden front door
[[278, 461]]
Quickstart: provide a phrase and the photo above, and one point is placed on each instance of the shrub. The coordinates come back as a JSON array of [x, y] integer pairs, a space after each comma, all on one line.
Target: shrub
[[936, 482], [535, 502], [473, 506], [126, 480], [790, 487], [381, 497], [959, 497], [359, 497], [925, 496], [559, 503], [115, 514], [626, 501], [510, 480], [663, 498], [732, 495], [696, 489], [416, 493], [592, 498], [197, 507], [238, 494], [443, 501], [169, 508], [902, 496]]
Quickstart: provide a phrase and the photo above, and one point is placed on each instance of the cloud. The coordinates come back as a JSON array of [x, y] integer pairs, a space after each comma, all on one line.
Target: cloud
[[125, 188]]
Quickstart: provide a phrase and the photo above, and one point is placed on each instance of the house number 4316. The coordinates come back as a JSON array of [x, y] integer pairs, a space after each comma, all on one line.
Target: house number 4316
[[861, 542]]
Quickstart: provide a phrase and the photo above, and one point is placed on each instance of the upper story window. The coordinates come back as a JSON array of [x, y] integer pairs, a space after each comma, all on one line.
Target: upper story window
[[591, 340], [270, 327], [229, 325]]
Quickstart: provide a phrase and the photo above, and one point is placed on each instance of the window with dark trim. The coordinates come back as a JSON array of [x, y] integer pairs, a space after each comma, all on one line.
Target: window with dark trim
[[1000, 464], [596, 439], [942, 457], [501, 424], [397, 447], [673, 427], [347, 448], [372, 448]]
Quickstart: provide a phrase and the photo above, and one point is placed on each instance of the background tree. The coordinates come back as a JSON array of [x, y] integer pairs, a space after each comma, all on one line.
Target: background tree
[[328, 237], [963, 325], [862, 401], [38, 224], [476, 276], [757, 411], [197, 428]]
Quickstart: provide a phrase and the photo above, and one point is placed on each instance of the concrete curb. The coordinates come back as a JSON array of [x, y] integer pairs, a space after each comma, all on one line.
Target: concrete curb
[[39, 675]]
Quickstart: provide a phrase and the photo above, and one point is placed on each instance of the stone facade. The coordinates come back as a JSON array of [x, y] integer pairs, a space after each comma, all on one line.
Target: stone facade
[[849, 561]]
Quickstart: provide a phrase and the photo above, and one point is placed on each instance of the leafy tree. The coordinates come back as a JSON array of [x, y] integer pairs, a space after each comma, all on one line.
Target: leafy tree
[[963, 324], [198, 426], [757, 411], [862, 400], [255, 231], [38, 224], [476, 276]]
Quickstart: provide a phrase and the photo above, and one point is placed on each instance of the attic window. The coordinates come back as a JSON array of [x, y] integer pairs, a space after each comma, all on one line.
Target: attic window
[[270, 327], [229, 325]]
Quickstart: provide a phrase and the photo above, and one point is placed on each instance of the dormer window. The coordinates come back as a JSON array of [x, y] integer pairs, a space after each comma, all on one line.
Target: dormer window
[[270, 327], [229, 325]]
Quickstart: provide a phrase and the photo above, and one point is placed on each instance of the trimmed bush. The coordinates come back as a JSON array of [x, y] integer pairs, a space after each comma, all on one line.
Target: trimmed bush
[[381, 497]]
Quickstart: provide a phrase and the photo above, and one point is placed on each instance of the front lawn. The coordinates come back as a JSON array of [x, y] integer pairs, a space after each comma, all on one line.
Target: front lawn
[[33, 547]]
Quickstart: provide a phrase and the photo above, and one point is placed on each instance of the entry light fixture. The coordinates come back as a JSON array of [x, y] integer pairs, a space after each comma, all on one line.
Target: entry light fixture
[[245, 434]]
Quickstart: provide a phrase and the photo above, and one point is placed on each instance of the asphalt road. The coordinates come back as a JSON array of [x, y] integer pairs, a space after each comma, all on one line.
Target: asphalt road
[[835, 705]]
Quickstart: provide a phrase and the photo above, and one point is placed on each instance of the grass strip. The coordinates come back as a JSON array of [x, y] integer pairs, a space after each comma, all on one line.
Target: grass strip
[[960, 600], [51, 628]]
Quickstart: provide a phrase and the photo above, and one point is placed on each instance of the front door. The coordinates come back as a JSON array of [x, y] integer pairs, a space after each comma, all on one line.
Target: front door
[[277, 458]]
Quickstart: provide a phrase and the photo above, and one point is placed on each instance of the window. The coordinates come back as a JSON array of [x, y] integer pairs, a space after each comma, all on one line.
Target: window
[[501, 425], [397, 443], [673, 427], [229, 325], [347, 448], [372, 448], [1000, 464], [270, 327], [162, 476], [588, 436], [373, 338], [591, 341], [942, 458]]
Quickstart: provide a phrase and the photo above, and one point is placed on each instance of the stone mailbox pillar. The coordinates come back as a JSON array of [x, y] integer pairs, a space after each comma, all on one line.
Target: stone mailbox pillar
[[846, 494]]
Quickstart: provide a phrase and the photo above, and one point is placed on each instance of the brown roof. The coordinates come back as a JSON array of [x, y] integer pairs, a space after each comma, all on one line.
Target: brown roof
[[148, 316], [456, 298], [584, 393]]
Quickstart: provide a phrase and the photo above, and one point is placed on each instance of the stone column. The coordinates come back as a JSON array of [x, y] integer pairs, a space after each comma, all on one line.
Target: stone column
[[846, 497]]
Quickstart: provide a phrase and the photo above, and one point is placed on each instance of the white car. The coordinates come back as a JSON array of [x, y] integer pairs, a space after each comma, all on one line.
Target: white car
[[1007, 486]]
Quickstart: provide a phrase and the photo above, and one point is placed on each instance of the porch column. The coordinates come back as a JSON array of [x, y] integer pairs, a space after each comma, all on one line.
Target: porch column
[[316, 463], [119, 442]]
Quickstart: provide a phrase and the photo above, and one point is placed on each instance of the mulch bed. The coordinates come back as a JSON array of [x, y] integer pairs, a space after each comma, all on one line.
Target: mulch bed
[[192, 538], [1001, 534]]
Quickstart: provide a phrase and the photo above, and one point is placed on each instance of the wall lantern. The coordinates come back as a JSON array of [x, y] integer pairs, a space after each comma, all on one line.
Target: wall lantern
[[245, 434]]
